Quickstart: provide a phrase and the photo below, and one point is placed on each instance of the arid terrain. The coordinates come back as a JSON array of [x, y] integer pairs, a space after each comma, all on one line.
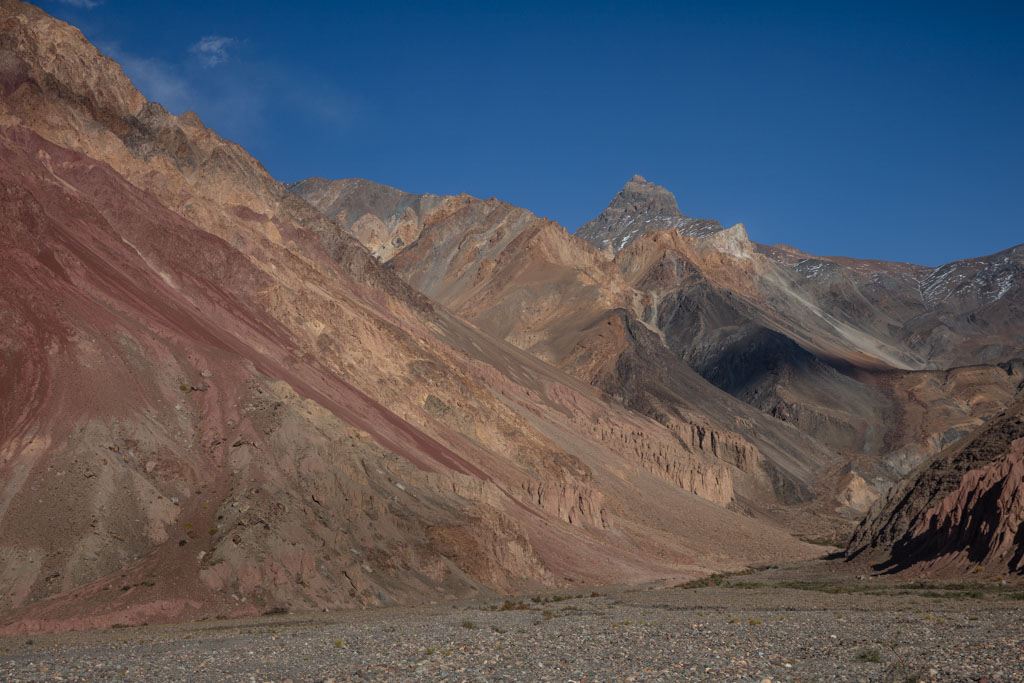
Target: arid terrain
[[333, 429], [783, 625]]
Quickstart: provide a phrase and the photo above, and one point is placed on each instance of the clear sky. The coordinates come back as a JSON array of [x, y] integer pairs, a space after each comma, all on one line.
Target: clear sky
[[887, 130]]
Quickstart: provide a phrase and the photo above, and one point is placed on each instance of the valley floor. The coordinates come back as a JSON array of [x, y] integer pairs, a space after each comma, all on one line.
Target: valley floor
[[778, 625]]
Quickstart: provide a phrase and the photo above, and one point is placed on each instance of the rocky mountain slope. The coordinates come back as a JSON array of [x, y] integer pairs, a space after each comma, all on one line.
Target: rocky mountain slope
[[859, 377], [527, 280], [964, 509], [215, 400]]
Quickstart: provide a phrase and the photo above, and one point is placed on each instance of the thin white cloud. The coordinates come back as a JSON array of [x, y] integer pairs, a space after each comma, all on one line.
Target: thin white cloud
[[82, 4], [232, 98], [212, 50], [157, 80]]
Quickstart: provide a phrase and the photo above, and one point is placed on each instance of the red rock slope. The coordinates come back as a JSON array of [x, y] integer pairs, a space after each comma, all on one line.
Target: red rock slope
[[214, 401]]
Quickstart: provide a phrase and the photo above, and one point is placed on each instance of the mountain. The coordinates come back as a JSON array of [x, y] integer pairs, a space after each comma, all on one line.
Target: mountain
[[960, 313], [215, 400], [639, 208], [854, 376], [526, 280], [962, 510], [382, 218]]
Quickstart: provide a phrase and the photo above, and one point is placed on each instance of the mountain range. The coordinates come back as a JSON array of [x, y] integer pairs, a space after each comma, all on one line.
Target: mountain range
[[223, 395]]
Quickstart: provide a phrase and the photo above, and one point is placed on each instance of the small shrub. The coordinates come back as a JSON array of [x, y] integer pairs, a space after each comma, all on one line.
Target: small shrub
[[547, 614], [869, 654], [339, 643], [468, 624], [734, 620], [756, 622], [429, 651]]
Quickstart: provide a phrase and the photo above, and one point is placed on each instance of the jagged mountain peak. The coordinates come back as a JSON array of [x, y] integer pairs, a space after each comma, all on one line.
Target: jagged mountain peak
[[641, 195], [640, 207]]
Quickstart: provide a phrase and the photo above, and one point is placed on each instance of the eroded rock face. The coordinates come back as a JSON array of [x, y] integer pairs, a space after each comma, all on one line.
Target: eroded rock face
[[961, 510]]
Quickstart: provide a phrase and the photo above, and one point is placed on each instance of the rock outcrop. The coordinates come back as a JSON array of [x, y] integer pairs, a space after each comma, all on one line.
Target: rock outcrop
[[963, 510]]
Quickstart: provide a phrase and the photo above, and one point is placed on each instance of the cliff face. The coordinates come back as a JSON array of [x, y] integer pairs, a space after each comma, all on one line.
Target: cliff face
[[961, 510], [215, 400]]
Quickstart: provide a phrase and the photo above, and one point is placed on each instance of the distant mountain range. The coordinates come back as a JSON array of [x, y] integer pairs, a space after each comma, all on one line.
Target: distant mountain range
[[224, 395]]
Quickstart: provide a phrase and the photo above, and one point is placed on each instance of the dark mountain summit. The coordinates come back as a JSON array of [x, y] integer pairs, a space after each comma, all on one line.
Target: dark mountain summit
[[639, 208]]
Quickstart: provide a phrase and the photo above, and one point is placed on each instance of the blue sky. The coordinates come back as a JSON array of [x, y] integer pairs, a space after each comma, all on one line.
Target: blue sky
[[879, 130]]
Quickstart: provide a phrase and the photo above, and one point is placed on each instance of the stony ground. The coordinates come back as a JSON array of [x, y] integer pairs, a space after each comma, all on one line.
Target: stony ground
[[759, 627]]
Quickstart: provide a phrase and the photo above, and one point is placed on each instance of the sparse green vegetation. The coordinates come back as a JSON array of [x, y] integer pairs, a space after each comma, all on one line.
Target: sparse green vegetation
[[703, 582], [869, 654], [974, 591]]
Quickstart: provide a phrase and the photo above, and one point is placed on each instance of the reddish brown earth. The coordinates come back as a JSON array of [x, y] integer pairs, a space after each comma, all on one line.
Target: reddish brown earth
[[216, 401]]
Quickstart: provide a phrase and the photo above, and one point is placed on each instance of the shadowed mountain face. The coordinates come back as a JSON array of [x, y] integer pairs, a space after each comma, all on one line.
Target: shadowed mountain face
[[961, 510], [856, 371], [213, 399]]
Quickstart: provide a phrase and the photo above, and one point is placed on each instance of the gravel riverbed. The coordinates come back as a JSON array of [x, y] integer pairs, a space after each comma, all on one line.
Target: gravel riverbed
[[749, 629]]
